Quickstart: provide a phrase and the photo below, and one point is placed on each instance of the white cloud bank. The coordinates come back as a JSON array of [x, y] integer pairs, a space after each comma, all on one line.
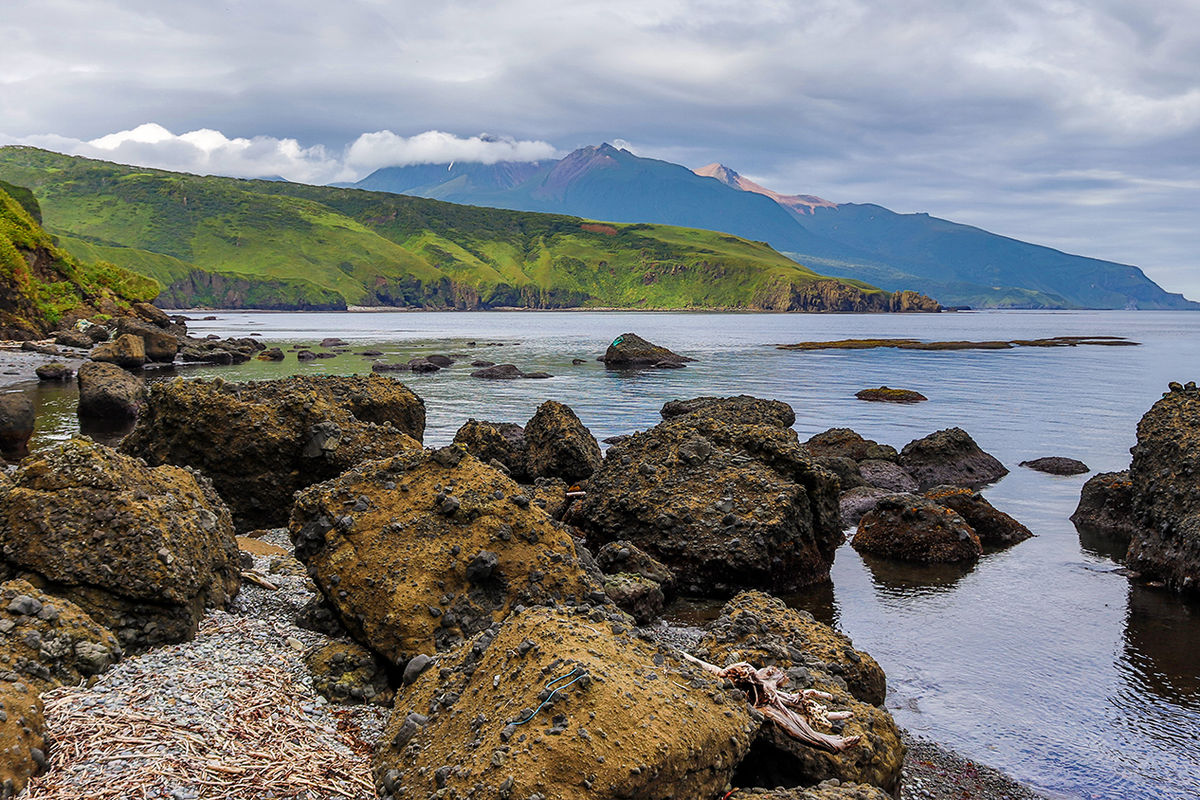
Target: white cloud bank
[[210, 152]]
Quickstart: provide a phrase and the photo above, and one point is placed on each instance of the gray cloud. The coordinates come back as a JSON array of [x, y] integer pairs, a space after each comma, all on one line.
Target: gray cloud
[[1073, 123]]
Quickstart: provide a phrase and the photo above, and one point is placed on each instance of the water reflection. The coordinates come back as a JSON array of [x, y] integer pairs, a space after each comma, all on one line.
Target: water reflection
[[1162, 640], [909, 579], [1101, 544]]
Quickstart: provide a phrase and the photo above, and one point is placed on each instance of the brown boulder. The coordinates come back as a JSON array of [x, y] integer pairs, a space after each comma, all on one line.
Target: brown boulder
[[126, 351], [845, 443], [725, 501], [54, 372], [17, 419], [422, 550], [912, 528], [73, 338], [885, 394], [108, 393], [950, 457], [628, 720], [1106, 507], [631, 350], [142, 550], [559, 445], [993, 526], [259, 442], [159, 344], [500, 442]]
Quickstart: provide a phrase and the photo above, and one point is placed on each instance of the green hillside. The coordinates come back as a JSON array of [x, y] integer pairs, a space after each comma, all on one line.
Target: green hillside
[[226, 242], [40, 284]]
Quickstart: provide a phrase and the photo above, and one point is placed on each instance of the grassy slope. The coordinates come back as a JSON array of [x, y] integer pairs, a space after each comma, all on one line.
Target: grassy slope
[[371, 247], [42, 283]]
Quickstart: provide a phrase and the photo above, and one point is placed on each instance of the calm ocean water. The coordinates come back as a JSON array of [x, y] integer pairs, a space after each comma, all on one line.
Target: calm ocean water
[[1038, 660]]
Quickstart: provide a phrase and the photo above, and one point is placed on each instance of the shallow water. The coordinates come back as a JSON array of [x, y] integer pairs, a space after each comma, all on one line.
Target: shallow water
[[1039, 660]]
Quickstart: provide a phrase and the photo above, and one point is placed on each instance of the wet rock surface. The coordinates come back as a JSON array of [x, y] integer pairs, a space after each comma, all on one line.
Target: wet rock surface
[[725, 499], [631, 350], [628, 719], [912, 528], [1057, 465], [950, 457], [259, 442], [422, 550], [993, 527], [141, 550], [558, 445], [640, 598]]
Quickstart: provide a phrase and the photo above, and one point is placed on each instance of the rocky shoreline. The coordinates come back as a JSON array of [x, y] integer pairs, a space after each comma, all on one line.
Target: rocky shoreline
[[518, 557]]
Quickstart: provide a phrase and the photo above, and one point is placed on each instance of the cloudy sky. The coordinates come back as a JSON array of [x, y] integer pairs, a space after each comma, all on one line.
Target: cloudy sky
[[1069, 123]]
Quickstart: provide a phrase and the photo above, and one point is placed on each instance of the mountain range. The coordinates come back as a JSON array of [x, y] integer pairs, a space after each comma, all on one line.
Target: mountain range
[[960, 265], [231, 243]]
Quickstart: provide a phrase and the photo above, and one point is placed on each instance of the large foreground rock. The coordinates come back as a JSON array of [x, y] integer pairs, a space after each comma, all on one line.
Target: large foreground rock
[[421, 550], [559, 445], [259, 442], [950, 457], [1165, 473], [911, 528], [762, 630], [726, 499], [142, 550], [636, 722], [109, 394], [631, 350]]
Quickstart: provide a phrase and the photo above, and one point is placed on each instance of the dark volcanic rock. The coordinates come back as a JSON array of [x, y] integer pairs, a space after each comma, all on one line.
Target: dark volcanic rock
[[886, 475], [950, 457], [380, 366], [993, 527], [500, 372], [434, 549], [1106, 506], [559, 445], [1057, 465], [618, 726], [261, 441], [16, 424], [142, 550], [726, 502], [500, 442], [108, 393], [912, 528], [349, 673], [631, 350], [440, 360], [1166, 491], [846, 470], [858, 501], [422, 364], [845, 443], [741, 407], [305, 355]]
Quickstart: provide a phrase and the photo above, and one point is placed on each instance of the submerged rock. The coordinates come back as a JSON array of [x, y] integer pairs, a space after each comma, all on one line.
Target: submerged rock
[[619, 725], [631, 350], [259, 442], [422, 550], [912, 528], [726, 499], [1057, 465], [142, 550], [950, 457]]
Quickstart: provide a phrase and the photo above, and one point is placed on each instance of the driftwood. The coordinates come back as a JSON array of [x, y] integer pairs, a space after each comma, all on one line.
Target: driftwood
[[798, 713]]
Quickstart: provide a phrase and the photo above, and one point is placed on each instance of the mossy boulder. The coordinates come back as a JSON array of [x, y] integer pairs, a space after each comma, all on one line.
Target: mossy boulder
[[422, 550], [259, 442], [626, 557], [765, 631], [558, 445], [885, 394], [54, 372], [727, 501], [993, 527], [640, 598], [142, 550], [49, 641], [628, 719], [911, 528], [950, 457]]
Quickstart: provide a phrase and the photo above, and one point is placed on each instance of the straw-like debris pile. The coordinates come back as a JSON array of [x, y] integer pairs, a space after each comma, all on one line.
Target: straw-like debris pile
[[246, 728]]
